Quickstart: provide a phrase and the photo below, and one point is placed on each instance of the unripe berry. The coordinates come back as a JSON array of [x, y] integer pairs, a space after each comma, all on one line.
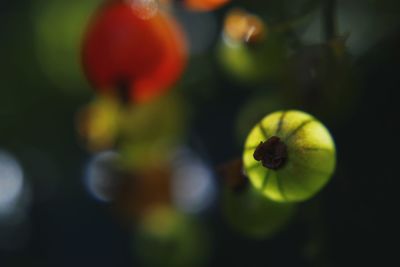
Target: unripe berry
[[167, 238], [249, 52], [289, 156], [252, 215]]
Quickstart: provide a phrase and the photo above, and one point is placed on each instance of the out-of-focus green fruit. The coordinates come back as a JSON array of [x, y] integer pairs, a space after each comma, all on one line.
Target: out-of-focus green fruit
[[98, 123], [289, 156], [143, 134], [167, 238], [253, 215], [59, 27], [248, 51], [148, 132]]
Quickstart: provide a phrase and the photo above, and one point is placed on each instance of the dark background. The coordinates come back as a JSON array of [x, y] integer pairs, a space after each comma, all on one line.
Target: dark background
[[64, 226]]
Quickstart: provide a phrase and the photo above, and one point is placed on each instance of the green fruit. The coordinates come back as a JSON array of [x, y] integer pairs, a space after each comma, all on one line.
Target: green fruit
[[289, 156], [106, 124], [252, 63], [253, 215], [98, 123], [149, 131], [249, 51], [168, 238], [58, 29]]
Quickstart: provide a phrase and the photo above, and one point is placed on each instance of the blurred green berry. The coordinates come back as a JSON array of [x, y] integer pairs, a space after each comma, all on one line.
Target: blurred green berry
[[58, 29], [251, 214], [168, 238], [249, 52]]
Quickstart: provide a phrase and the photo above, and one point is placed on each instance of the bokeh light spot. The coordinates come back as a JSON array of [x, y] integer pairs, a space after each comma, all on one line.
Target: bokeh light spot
[[102, 177], [144, 9], [193, 186], [11, 182]]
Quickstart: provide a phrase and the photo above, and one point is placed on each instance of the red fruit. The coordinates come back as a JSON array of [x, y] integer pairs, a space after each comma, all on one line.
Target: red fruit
[[123, 50], [204, 5]]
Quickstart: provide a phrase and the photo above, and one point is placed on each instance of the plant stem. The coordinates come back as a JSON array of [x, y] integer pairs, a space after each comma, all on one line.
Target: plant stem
[[329, 19]]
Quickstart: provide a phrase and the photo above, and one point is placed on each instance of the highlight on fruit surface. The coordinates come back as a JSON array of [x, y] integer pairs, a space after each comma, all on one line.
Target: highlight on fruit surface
[[239, 25], [289, 156], [140, 55]]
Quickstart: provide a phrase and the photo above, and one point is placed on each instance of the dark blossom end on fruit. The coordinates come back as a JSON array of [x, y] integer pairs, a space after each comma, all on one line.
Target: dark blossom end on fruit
[[272, 153]]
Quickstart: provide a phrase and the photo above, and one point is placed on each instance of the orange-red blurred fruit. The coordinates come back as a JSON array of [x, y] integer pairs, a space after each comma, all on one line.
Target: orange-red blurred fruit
[[204, 5], [142, 191], [124, 49]]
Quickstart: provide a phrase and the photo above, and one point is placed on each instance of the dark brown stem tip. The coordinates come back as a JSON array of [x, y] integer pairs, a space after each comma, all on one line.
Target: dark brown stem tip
[[123, 91], [272, 153], [234, 176]]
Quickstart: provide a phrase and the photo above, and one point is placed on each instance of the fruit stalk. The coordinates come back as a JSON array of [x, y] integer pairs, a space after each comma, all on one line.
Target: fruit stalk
[[329, 21]]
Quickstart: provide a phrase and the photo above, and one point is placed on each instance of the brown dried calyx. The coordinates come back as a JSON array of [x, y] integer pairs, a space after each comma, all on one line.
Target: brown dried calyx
[[272, 153], [239, 25], [233, 175]]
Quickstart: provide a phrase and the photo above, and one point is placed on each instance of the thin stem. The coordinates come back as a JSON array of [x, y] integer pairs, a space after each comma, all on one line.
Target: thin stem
[[329, 20]]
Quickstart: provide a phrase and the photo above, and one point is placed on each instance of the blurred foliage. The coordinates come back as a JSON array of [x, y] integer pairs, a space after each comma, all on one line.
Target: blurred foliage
[[322, 80], [280, 11]]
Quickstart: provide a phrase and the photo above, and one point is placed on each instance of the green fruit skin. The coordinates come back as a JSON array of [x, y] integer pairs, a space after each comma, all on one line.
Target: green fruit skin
[[168, 238], [59, 27], [311, 156], [254, 216], [252, 64], [142, 142]]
